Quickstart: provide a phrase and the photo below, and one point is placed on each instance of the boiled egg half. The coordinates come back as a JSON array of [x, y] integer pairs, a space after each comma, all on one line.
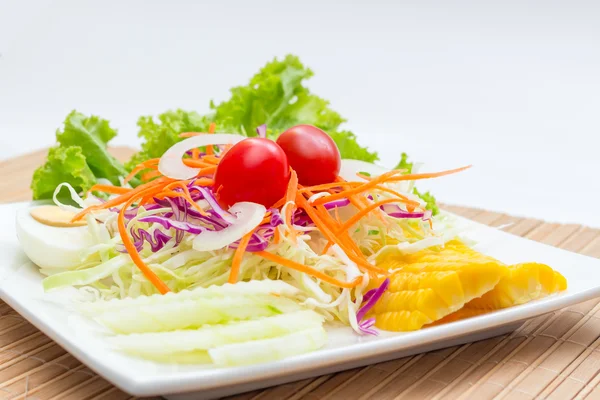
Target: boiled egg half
[[49, 239]]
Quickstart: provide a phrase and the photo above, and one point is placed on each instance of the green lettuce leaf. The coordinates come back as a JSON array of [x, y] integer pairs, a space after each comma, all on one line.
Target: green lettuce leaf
[[404, 164], [92, 134], [275, 96], [163, 133], [64, 164], [349, 147], [429, 199]]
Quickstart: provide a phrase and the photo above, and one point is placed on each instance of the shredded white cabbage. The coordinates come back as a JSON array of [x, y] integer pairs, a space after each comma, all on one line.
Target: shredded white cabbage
[[106, 273]]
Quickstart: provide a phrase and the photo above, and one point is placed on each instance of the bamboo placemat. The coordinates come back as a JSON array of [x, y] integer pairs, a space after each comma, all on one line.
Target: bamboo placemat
[[555, 356]]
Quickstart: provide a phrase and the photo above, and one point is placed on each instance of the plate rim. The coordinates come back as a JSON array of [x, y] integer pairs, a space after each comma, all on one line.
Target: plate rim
[[198, 380]]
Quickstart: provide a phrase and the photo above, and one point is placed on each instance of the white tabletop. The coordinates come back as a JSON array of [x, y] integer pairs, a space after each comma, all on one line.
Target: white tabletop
[[513, 88]]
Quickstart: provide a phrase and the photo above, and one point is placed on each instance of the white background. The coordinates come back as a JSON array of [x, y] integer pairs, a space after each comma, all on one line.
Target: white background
[[512, 87]]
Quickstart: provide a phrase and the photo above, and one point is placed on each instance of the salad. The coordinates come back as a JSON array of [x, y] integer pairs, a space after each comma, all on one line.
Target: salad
[[238, 236]]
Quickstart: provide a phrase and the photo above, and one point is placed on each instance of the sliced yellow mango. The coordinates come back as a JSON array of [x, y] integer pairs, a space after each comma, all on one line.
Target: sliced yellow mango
[[440, 285], [523, 283], [431, 284]]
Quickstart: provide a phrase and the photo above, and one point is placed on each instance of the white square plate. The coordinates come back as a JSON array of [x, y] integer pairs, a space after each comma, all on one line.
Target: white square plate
[[20, 287]]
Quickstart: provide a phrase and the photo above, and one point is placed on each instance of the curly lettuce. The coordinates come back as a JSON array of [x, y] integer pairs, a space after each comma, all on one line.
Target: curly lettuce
[[275, 96], [80, 158], [161, 133], [64, 164], [427, 197]]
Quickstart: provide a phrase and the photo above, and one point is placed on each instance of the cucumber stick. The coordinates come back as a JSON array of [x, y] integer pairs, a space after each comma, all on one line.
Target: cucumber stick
[[265, 350], [191, 314], [258, 287], [161, 344]]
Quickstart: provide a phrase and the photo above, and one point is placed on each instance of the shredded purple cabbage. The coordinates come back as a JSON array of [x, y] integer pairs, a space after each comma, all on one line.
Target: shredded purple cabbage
[[212, 201], [395, 211], [157, 240], [183, 218], [336, 203], [369, 300], [365, 327], [261, 131], [168, 223]]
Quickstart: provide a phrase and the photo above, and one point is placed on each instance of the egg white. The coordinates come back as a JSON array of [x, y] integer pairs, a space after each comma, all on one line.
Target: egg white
[[51, 247]]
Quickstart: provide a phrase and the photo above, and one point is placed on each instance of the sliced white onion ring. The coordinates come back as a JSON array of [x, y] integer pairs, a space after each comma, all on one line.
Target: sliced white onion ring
[[350, 168], [248, 216], [171, 164]]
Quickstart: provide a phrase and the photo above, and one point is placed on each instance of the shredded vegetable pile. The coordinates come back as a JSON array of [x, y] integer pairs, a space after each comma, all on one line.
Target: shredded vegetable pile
[[169, 234]]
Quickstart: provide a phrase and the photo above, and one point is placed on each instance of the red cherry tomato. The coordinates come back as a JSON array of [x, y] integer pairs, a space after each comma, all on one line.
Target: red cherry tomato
[[312, 153], [255, 170]]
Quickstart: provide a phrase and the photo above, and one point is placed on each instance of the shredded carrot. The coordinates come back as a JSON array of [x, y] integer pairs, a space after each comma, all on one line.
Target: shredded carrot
[[309, 270], [133, 253], [124, 197], [204, 182], [109, 189], [321, 219], [276, 236], [238, 256], [211, 159], [186, 194], [356, 217], [290, 197], [195, 153], [427, 175], [207, 171], [148, 164], [266, 219], [391, 176], [341, 184], [326, 186], [150, 175], [209, 148], [349, 246], [197, 163]]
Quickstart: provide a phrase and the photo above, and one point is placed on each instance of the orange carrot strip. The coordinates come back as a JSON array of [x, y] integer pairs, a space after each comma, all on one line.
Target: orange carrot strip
[[207, 171], [109, 189], [276, 236], [204, 182], [211, 129], [387, 177], [290, 196], [148, 164], [122, 198], [341, 184], [196, 163], [150, 175], [347, 244], [195, 153], [319, 217], [133, 253], [309, 270], [186, 194], [427, 175], [356, 217], [237, 258], [211, 159]]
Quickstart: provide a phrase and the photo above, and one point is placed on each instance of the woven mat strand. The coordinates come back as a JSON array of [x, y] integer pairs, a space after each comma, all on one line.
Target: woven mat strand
[[555, 356]]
